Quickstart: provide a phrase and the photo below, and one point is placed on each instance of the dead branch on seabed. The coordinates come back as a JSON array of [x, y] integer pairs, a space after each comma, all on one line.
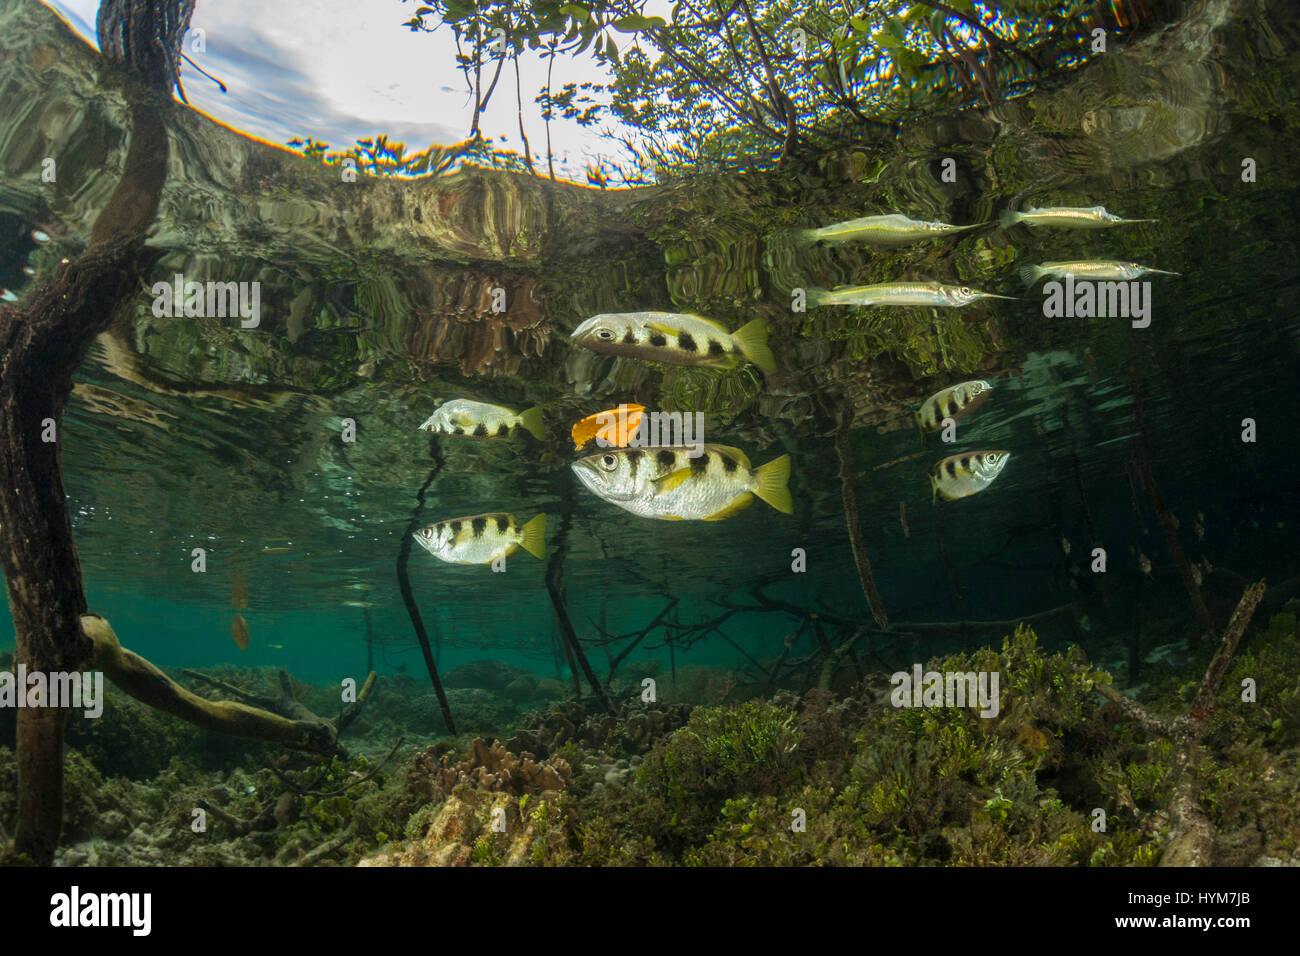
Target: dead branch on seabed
[[1192, 841], [288, 723]]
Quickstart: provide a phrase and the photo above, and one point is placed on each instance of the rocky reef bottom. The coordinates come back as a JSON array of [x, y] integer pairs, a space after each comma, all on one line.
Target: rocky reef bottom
[[840, 776]]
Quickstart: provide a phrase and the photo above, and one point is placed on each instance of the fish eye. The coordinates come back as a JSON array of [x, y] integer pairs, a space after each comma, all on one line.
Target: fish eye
[[608, 462], [605, 335], [966, 290]]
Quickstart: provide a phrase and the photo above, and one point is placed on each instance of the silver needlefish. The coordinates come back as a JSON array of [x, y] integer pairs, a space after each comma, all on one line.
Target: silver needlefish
[[1066, 217], [901, 293], [891, 230], [1087, 269], [959, 476]]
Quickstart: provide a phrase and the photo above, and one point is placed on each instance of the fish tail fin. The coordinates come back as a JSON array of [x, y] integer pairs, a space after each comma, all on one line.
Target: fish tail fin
[[531, 421], [1030, 273], [533, 537], [773, 484], [428, 423], [751, 339], [1009, 218]]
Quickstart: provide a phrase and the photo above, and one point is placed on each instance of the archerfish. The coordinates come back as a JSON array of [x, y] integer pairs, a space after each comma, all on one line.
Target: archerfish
[[676, 339], [901, 293], [953, 402], [958, 476], [891, 230], [462, 416], [1089, 269], [1066, 217], [482, 539], [668, 483]]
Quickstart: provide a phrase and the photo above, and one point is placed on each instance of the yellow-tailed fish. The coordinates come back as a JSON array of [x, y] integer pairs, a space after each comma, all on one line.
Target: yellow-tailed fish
[[482, 539], [676, 339], [953, 402], [1066, 217], [668, 483], [239, 632], [891, 230], [958, 476], [901, 293], [615, 425], [1101, 269], [461, 416]]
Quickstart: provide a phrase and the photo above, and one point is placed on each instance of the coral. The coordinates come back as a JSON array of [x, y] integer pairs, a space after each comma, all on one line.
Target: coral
[[493, 769]]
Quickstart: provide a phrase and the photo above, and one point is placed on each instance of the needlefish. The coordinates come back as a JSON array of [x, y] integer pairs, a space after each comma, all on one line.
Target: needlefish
[[1066, 217], [483, 539], [670, 484], [890, 230], [959, 476], [676, 339], [901, 293], [1086, 269], [462, 416]]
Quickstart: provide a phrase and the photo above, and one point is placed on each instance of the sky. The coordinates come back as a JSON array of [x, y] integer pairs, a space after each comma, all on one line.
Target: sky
[[342, 70]]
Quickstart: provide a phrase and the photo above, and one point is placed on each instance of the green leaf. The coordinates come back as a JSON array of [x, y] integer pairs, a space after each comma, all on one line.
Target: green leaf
[[636, 22]]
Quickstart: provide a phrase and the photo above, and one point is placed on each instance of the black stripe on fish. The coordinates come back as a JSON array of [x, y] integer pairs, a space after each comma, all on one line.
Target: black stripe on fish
[[503, 430], [729, 464], [657, 338], [479, 525], [666, 458], [715, 348], [965, 462], [700, 464], [480, 430], [458, 430], [952, 408], [634, 459], [629, 337], [952, 469], [502, 523], [686, 342], [455, 527]]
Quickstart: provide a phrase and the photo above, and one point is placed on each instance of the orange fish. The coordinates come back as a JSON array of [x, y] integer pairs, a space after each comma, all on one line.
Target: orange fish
[[239, 632], [615, 425]]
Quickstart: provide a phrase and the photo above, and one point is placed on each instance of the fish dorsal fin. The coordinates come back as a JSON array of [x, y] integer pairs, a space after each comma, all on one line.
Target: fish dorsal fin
[[735, 454], [672, 480], [740, 504], [662, 329], [713, 322]]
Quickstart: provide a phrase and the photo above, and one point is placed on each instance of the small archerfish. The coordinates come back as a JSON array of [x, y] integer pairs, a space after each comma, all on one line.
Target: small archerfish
[[901, 293], [668, 483], [891, 230], [1066, 217], [1087, 269], [482, 539], [462, 416], [953, 402], [958, 476], [676, 339]]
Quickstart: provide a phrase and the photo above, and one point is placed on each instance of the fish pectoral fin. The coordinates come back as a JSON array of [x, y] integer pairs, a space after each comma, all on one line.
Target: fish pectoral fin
[[740, 504], [672, 480]]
